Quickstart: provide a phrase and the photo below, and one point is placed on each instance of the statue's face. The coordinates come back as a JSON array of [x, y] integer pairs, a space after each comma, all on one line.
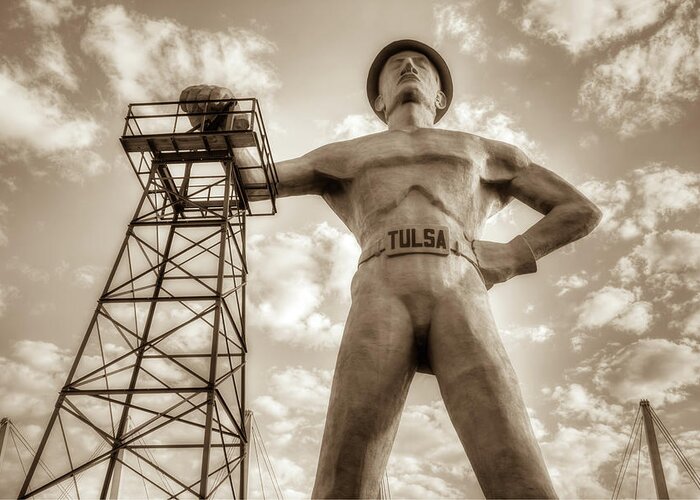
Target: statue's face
[[408, 76]]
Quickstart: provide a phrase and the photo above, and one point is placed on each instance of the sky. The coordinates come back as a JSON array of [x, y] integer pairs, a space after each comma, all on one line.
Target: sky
[[606, 93]]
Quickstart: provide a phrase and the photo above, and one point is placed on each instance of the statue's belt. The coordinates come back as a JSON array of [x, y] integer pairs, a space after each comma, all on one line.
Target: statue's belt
[[412, 239]]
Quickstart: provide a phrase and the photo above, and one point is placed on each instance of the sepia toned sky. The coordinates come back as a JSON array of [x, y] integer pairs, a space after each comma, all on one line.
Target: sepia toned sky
[[606, 93]]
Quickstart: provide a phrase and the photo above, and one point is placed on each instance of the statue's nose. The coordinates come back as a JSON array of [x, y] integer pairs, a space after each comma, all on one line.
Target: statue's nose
[[408, 67]]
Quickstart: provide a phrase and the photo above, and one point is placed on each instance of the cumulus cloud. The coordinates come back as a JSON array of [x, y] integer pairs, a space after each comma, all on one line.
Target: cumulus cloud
[[292, 274], [648, 196], [428, 460], [647, 84], [575, 401], [40, 124], [51, 13], [516, 54], [571, 282], [674, 252], [692, 324], [53, 63], [458, 22], [656, 369], [588, 24], [576, 456], [146, 58], [87, 276], [4, 210], [665, 262], [616, 306], [538, 334], [481, 117], [29, 379], [38, 117], [292, 410], [6, 293], [356, 126]]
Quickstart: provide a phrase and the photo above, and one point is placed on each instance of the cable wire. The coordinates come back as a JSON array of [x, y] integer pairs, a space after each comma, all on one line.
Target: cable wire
[[636, 427], [676, 449]]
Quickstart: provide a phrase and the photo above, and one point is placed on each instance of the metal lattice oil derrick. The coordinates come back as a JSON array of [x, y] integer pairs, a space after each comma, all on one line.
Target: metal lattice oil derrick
[[155, 400]]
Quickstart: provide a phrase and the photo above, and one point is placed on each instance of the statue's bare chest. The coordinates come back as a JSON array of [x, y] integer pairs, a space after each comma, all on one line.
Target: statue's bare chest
[[440, 164]]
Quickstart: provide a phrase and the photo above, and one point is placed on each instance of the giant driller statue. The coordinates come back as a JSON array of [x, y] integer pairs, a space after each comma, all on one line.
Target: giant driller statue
[[416, 198]]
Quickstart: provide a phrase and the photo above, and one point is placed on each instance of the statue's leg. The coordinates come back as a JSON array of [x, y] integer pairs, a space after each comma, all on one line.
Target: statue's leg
[[376, 363], [483, 399]]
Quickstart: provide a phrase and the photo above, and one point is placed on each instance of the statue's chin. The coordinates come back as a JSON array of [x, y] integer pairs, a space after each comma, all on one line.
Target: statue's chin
[[410, 96]]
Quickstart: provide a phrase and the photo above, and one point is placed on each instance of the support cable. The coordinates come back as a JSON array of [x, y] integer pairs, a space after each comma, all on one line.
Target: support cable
[[21, 462], [636, 427], [257, 459], [639, 457], [15, 431], [676, 449], [266, 457]]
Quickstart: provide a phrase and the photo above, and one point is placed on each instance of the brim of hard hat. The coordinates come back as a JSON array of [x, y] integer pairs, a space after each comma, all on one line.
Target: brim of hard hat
[[399, 46]]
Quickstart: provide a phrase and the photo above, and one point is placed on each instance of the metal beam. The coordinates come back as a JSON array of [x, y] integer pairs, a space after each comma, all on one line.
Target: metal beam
[[654, 455]]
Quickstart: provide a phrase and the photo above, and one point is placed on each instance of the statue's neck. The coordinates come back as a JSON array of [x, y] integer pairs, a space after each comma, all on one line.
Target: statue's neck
[[409, 117]]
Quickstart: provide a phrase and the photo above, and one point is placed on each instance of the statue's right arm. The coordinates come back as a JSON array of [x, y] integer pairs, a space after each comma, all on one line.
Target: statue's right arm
[[297, 177], [307, 174]]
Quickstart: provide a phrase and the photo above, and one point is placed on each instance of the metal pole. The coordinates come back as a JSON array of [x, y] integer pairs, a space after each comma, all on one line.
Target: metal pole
[[116, 476], [654, 456], [223, 236], [4, 425], [246, 454]]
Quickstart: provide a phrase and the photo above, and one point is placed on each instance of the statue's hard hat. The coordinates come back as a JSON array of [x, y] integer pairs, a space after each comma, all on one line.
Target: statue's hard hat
[[399, 46]]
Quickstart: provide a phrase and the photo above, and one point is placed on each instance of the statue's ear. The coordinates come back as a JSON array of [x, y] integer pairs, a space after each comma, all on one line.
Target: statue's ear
[[379, 104], [440, 100]]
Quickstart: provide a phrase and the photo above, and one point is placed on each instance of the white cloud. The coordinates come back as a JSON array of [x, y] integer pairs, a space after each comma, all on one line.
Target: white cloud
[[301, 390], [692, 324], [39, 117], [292, 411], [4, 210], [87, 276], [647, 84], [516, 54], [651, 195], [575, 401], [51, 13], [6, 293], [586, 24], [674, 251], [589, 140], [428, 460], [52, 62], [267, 405], [481, 117], [616, 306], [458, 22], [625, 270], [635, 319], [665, 263], [356, 126], [571, 282], [29, 380], [576, 457], [539, 333], [665, 191], [291, 277], [146, 58], [657, 369], [30, 272]]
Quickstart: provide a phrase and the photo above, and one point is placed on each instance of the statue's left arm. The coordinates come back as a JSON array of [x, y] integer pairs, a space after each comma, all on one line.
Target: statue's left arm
[[568, 214]]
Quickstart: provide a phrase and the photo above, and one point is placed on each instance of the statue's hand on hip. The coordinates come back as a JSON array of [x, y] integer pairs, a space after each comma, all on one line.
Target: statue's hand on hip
[[499, 262], [194, 93]]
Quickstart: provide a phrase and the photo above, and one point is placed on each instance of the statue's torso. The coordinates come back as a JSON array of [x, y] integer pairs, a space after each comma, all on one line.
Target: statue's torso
[[429, 176]]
